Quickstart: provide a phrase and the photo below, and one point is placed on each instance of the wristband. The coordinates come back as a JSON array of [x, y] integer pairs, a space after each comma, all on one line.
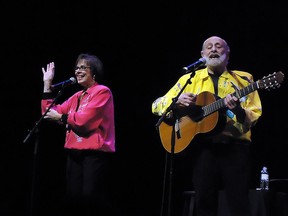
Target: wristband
[[64, 118]]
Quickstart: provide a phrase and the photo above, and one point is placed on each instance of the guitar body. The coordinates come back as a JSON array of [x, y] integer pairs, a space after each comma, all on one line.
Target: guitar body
[[190, 125]]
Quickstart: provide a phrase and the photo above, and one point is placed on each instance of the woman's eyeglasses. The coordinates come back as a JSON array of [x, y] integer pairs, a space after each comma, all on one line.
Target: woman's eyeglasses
[[82, 67]]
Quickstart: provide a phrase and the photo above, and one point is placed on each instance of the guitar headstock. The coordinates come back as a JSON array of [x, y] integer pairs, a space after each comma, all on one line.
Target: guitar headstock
[[272, 81]]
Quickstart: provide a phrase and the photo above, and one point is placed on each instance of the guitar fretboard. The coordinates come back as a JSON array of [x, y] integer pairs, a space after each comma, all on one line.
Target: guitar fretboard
[[218, 104]]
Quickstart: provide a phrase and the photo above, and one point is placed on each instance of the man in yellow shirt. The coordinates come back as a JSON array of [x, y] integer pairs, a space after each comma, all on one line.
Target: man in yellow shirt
[[215, 117]]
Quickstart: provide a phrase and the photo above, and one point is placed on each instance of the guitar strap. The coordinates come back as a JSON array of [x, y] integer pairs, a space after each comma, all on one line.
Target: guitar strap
[[242, 77]]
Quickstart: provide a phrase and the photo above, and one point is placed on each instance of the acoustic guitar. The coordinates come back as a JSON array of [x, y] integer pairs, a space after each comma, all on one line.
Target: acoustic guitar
[[205, 115]]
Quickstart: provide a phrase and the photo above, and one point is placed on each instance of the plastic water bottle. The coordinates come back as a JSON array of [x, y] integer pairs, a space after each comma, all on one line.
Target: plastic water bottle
[[264, 179]]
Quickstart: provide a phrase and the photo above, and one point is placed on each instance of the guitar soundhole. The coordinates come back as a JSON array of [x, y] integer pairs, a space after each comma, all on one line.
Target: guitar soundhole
[[196, 113]]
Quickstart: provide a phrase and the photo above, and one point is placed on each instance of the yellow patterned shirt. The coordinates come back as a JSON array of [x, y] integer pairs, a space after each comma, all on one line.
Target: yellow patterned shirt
[[202, 82]]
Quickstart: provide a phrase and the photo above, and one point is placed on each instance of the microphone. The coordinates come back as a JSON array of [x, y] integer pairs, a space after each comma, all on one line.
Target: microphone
[[194, 66], [70, 81]]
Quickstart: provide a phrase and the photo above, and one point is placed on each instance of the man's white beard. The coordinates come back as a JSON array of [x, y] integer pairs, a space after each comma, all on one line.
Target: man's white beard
[[214, 62]]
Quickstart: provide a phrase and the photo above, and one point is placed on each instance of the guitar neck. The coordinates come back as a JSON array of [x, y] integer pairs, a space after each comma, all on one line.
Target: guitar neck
[[218, 104]]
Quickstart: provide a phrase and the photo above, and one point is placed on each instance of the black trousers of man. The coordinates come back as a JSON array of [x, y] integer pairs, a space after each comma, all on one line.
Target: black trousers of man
[[222, 166]]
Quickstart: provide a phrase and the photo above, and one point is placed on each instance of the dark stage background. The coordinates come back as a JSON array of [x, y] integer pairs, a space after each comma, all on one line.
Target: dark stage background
[[143, 45]]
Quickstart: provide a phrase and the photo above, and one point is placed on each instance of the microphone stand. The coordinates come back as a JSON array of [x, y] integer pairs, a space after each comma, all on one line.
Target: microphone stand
[[35, 131], [175, 121]]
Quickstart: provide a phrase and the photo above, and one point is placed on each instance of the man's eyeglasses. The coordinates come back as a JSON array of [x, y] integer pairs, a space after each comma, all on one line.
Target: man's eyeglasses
[[82, 67]]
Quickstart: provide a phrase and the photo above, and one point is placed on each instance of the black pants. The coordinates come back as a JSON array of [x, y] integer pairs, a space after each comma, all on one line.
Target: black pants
[[222, 166], [88, 178]]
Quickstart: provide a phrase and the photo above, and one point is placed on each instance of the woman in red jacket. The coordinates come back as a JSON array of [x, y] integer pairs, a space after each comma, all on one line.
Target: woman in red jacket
[[90, 135]]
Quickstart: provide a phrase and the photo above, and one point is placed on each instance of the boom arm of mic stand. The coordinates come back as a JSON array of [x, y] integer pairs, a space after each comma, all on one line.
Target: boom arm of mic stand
[[174, 100], [34, 129], [161, 119]]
